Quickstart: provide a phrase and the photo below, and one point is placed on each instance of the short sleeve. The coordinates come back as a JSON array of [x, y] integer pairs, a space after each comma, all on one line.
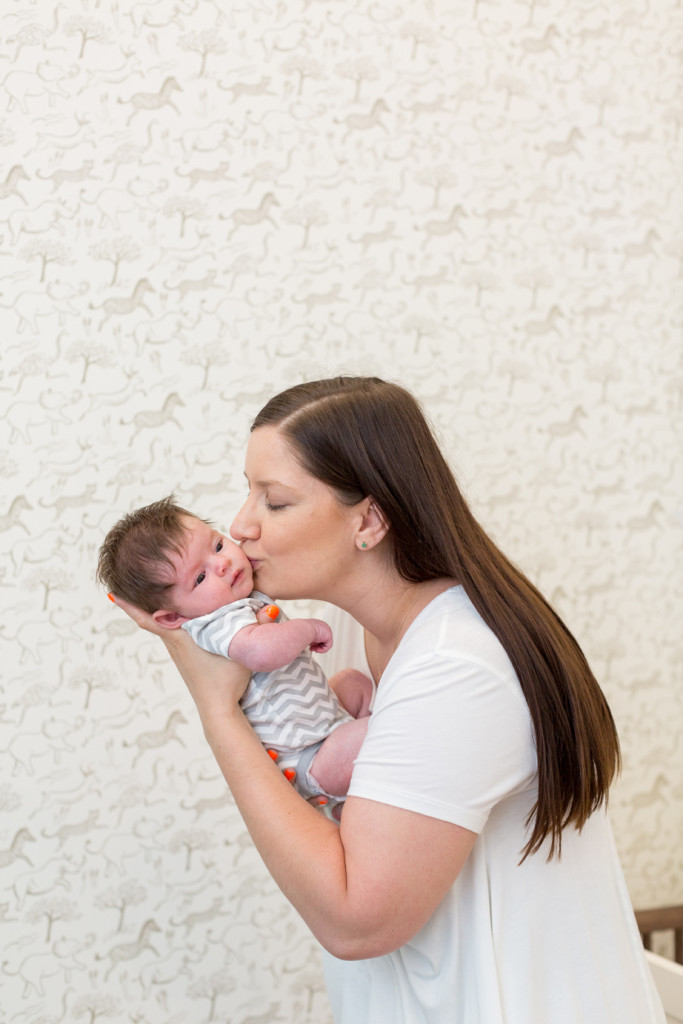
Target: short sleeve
[[215, 631], [450, 736]]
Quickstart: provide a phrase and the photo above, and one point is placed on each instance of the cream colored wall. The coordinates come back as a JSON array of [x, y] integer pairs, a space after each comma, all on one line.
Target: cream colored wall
[[203, 202]]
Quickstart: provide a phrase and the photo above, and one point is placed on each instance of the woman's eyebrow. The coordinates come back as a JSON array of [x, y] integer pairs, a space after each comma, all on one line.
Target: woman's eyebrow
[[290, 489], [270, 483]]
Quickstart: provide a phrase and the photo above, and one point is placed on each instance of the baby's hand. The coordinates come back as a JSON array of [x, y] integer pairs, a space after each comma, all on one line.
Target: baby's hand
[[322, 640]]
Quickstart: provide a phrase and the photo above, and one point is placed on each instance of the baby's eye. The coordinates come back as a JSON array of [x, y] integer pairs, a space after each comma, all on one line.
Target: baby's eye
[[200, 579], [219, 545]]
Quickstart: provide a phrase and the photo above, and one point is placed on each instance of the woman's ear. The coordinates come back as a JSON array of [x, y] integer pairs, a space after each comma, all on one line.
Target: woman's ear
[[169, 619], [373, 526]]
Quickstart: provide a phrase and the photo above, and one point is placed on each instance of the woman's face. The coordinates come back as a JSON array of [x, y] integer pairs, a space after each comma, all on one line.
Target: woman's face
[[299, 538]]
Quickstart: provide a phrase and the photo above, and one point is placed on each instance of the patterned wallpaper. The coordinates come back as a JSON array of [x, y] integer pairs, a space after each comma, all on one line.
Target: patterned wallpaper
[[202, 202]]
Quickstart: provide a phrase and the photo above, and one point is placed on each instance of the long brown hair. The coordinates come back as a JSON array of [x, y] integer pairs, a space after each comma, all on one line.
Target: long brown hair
[[367, 437]]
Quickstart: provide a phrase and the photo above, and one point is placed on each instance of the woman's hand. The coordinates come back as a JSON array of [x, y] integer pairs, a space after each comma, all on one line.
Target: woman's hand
[[215, 683], [142, 619]]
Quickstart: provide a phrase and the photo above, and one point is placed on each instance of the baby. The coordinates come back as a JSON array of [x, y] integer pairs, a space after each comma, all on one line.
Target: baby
[[187, 574]]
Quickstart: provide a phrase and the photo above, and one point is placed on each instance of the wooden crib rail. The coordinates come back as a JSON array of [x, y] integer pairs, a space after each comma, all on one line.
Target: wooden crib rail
[[659, 919]]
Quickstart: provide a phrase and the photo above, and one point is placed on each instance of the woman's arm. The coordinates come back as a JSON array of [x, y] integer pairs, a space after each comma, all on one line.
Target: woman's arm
[[365, 887]]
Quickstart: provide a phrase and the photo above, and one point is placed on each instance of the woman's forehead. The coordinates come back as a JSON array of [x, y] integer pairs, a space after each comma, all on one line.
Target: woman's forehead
[[270, 458]]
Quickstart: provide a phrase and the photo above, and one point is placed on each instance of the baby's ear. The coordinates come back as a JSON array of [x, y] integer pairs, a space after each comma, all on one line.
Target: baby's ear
[[168, 619]]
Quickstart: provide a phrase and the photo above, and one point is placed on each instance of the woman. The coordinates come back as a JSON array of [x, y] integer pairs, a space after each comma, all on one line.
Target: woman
[[473, 878]]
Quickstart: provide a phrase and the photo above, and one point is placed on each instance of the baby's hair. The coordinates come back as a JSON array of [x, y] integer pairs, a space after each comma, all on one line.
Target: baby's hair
[[134, 562]]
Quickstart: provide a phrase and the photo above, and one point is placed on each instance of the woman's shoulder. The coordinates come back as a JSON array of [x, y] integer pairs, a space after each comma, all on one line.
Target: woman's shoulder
[[450, 632]]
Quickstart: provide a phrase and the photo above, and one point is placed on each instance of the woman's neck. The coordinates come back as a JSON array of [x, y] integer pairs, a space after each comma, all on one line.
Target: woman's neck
[[386, 622]]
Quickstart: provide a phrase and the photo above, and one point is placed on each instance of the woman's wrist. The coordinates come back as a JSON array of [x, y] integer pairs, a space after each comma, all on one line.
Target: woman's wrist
[[220, 723], [232, 741]]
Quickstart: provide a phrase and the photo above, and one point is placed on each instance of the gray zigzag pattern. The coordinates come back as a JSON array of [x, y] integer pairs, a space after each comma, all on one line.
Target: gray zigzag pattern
[[216, 634], [289, 708], [298, 711], [302, 673], [219, 639]]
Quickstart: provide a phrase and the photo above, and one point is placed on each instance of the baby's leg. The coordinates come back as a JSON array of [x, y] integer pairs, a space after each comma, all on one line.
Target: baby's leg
[[332, 765], [354, 690]]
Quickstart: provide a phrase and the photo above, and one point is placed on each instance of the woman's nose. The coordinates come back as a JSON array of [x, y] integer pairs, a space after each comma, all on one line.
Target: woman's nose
[[243, 525]]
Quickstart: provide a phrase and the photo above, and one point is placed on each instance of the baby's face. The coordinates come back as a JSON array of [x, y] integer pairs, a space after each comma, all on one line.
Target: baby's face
[[211, 571]]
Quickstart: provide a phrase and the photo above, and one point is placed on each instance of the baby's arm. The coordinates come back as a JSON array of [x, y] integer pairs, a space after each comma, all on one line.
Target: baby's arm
[[263, 647]]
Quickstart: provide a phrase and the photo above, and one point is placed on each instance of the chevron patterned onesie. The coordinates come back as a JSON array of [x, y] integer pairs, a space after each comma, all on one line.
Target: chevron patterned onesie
[[291, 709]]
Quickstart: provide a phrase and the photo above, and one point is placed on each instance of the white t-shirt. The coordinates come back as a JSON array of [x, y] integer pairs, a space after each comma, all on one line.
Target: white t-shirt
[[538, 943]]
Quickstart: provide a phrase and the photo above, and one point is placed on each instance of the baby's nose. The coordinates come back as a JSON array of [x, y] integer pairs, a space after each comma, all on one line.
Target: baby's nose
[[221, 563]]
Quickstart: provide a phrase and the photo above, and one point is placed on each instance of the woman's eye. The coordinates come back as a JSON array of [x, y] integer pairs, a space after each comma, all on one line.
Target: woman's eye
[[273, 508], [200, 579]]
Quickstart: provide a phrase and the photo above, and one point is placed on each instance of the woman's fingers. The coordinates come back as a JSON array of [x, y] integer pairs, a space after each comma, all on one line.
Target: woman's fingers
[[143, 619]]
